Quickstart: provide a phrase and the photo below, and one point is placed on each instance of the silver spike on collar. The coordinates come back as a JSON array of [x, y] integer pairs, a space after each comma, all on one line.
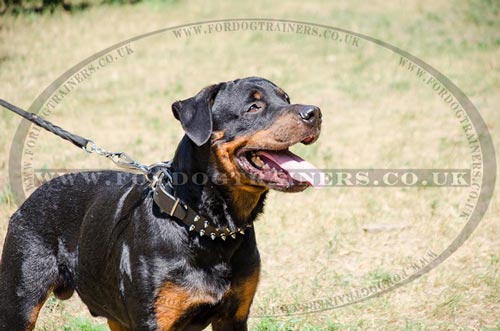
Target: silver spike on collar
[[213, 232]]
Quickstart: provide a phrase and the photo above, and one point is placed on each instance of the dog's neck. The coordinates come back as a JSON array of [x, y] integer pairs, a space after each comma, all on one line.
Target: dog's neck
[[219, 201]]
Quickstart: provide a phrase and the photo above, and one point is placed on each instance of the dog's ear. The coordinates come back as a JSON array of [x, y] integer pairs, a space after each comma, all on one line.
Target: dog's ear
[[195, 114]]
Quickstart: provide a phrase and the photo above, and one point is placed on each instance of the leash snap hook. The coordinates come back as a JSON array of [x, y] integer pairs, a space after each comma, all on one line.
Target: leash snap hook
[[124, 160], [121, 159]]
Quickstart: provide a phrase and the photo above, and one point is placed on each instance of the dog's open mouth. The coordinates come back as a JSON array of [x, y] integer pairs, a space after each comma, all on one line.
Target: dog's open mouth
[[278, 169]]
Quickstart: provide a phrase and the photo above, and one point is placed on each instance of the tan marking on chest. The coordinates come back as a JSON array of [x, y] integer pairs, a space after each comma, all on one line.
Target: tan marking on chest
[[174, 301]]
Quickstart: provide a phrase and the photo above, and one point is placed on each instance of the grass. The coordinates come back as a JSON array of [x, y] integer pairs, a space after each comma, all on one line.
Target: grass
[[297, 324], [376, 115], [83, 324], [6, 196]]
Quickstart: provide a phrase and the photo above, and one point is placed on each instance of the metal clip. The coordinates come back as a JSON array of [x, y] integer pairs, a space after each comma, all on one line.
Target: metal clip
[[123, 160], [90, 147]]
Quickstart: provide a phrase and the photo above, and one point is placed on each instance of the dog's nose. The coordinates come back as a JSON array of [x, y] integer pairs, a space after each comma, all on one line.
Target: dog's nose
[[310, 114]]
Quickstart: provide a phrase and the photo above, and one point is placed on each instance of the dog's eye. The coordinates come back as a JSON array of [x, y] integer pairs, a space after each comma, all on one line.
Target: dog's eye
[[253, 108]]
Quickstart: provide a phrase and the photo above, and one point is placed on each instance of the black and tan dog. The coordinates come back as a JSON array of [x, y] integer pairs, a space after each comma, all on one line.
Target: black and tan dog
[[134, 264]]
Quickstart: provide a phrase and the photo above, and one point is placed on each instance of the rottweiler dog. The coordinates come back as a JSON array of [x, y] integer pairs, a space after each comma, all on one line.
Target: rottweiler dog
[[105, 235]]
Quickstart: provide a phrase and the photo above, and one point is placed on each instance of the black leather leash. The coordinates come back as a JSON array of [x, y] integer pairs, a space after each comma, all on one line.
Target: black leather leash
[[120, 159], [159, 174], [73, 138]]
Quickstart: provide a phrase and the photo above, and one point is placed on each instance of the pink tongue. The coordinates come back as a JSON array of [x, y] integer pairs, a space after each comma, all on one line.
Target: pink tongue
[[298, 168]]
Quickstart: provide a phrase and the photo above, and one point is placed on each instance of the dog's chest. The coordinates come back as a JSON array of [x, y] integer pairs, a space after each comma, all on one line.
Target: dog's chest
[[181, 306]]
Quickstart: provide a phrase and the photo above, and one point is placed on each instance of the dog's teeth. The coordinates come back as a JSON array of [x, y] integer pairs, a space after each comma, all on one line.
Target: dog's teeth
[[266, 166], [258, 161]]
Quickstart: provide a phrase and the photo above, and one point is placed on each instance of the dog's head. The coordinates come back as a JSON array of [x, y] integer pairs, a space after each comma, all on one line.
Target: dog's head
[[250, 123]]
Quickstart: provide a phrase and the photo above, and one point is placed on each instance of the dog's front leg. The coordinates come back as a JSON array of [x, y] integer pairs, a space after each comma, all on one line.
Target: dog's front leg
[[229, 325], [244, 291]]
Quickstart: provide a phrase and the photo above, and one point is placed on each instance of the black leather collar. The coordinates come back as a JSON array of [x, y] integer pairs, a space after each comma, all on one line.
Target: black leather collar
[[165, 197]]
